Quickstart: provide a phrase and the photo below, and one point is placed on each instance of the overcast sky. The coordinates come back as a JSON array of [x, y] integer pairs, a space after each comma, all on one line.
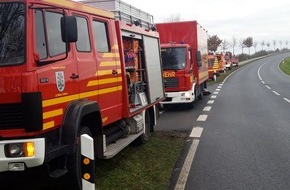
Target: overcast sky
[[261, 19]]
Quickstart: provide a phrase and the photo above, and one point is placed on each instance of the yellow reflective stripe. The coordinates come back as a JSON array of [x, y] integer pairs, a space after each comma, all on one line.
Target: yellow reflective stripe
[[89, 94], [70, 98], [53, 113], [108, 90], [112, 55], [104, 81], [59, 100], [48, 125], [109, 63], [116, 46], [107, 72]]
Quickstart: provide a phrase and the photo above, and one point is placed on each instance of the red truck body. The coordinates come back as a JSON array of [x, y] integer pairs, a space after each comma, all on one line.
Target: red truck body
[[184, 75], [69, 69]]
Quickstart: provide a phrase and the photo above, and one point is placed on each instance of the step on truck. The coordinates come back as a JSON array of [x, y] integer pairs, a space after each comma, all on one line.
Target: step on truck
[[66, 70], [184, 59]]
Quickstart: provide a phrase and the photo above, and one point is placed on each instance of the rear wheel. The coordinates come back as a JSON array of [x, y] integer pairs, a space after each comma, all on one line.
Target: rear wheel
[[146, 134], [75, 163]]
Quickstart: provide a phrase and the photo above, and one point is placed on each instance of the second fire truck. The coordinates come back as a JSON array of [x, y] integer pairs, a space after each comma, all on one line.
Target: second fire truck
[[185, 63]]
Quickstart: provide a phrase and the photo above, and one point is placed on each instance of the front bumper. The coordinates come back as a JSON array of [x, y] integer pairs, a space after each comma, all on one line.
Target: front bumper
[[179, 97], [29, 162]]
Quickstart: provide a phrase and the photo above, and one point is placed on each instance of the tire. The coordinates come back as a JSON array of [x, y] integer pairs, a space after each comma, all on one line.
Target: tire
[[74, 178], [142, 139], [200, 96]]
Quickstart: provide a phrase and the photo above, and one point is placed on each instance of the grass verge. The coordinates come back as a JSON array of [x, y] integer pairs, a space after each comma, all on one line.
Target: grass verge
[[222, 75], [285, 66], [145, 167]]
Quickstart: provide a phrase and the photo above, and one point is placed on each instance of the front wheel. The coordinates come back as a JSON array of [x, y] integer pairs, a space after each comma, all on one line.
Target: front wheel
[[75, 163]]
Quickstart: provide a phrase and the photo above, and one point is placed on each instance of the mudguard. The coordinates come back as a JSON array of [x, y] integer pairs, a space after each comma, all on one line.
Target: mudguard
[[83, 112]]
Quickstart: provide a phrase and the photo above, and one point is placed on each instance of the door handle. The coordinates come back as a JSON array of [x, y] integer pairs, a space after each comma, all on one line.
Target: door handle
[[114, 72], [74, 76]]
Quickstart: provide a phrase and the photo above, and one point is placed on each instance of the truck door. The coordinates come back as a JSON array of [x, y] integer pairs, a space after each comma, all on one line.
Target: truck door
[[108, 70], [57, 77]]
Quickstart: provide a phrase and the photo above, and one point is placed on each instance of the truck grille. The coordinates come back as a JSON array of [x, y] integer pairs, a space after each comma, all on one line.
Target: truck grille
[[170, 82], [11, 116]]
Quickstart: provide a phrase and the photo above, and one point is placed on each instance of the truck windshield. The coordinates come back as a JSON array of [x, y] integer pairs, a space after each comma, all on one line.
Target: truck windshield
[[173, 58], [12, 33]]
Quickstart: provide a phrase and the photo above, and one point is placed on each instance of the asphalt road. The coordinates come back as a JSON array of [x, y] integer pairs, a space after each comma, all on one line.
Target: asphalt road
[[240, 135]]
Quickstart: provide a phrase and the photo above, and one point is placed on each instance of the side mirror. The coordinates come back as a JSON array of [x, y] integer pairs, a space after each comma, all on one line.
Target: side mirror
[[198, 59], [69, 32]]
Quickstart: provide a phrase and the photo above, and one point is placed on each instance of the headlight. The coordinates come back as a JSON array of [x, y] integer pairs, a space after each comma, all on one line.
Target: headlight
[[15, 150], [25, 149]]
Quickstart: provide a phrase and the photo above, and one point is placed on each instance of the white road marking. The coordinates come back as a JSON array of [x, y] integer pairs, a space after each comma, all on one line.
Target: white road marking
[[210, 102], [217, 89], [213, 97], [181, 182], [268, 87], [207, 108], [263, 82], [286, 99], [259, 75], [196, 132], [276, 93], [215, 92], [202, 118]]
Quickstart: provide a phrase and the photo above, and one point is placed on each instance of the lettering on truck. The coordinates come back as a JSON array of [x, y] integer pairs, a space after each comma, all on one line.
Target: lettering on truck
[[168, 74]]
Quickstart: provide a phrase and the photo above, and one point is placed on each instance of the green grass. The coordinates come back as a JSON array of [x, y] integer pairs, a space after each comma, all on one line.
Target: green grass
[[285, 66], [222, 76], [147, 167]]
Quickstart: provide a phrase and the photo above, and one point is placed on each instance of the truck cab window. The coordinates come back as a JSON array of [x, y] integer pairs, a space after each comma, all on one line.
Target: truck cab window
[[54, 45], [173, 58], [12, 33], [101, 37], [83, 43], [40, 35]]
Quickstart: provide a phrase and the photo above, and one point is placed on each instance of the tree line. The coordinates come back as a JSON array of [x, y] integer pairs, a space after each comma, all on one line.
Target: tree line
[[214, 42]]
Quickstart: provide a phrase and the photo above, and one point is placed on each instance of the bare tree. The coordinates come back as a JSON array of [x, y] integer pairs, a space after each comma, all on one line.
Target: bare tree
[[248, 42], [268, 45], [255, 45], [286, 43], [263, 43], [224, 45], [242, 45], [213, 42], [173, 18], [280, 42], [274, 44], [233, 44]]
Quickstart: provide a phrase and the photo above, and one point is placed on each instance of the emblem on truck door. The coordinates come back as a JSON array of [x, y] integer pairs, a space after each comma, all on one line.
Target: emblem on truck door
[[60, 84]]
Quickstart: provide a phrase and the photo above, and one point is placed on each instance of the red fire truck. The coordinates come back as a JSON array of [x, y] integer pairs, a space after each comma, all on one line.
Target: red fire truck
[[185, 63], [228, 59], [68, 69], [222, 62], [213, 67]]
